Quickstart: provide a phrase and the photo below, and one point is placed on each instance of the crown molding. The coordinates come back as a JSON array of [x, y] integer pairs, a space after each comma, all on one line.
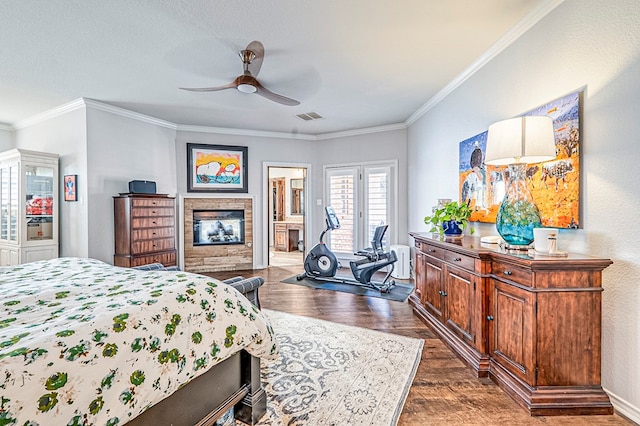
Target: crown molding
[[365, 131], [49, 114], [243, 132], [282, 135], [505, 41], [101, 106]]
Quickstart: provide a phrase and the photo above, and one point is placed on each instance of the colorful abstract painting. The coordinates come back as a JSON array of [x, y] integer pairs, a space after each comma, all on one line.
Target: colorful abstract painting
[[554, 185], [217, 168]]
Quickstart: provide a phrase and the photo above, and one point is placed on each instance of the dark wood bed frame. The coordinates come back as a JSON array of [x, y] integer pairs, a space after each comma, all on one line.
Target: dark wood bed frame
[[235, 382]]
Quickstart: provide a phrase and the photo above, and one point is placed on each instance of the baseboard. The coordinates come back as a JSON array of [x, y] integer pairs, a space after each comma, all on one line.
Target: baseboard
[[623, 408]]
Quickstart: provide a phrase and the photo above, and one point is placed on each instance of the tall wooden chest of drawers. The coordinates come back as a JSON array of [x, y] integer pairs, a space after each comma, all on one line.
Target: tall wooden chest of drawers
[[145, 229]]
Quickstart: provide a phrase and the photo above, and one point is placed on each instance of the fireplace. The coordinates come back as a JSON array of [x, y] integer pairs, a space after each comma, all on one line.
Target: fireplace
[[218, 227], [233, 252]]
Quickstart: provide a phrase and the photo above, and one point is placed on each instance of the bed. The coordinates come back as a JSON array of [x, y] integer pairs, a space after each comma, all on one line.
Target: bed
[[83, 342]]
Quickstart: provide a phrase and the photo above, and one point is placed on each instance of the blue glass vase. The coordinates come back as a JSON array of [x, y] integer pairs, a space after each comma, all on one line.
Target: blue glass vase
[[518, 214]]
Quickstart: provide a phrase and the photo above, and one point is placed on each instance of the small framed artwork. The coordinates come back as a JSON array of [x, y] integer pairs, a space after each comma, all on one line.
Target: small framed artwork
[[70, 188], [216, 168]]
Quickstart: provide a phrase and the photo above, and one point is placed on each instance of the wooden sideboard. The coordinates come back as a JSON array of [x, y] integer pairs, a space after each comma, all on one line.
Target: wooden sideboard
[[144, 230], [532, 324]]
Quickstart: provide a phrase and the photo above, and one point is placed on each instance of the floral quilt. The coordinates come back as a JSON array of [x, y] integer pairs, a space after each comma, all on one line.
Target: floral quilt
[[83, 342]]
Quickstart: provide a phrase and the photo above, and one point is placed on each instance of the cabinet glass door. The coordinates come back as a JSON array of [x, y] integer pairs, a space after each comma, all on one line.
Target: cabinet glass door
[[39, 202], [4, 203], [9, 203], [13, 203]]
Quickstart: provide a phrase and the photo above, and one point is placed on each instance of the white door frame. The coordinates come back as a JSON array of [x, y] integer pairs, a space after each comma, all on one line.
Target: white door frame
[[265, 205]]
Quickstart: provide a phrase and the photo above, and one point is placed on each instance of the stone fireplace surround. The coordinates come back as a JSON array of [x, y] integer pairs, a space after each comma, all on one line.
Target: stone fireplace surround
[[216, 258]]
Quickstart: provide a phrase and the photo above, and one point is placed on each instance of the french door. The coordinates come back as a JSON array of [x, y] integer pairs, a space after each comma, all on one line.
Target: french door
[[363, 197]]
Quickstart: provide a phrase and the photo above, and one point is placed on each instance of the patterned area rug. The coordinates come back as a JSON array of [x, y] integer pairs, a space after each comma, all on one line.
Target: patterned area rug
[[332, 374]]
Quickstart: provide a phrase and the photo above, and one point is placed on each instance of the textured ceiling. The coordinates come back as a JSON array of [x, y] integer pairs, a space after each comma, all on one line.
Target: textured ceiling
[[357, 63]]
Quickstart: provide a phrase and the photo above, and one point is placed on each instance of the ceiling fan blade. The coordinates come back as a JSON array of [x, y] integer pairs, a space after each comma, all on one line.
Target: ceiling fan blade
[[262, 91], [231, 85], [258, 50]]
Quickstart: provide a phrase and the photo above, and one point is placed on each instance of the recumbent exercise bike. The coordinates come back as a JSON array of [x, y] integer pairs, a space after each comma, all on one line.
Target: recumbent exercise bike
[[322, 264]]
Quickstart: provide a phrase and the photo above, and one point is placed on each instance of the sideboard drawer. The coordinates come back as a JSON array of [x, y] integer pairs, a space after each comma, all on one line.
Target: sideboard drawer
[[430, 250], [460, 260], [503, 271]]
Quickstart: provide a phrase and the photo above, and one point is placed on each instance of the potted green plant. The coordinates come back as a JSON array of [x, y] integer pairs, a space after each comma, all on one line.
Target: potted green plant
[[450, 219]]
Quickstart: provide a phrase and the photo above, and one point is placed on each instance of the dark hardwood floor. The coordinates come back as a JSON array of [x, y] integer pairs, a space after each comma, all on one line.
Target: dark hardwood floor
[[444, 391]]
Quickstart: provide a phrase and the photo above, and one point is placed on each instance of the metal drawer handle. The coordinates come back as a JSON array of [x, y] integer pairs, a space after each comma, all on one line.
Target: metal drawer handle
[[489, 318], [432, 250], [457, 259], [508, 272]]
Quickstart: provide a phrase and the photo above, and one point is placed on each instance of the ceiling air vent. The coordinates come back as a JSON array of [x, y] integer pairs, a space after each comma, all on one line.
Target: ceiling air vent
[[309, 116]]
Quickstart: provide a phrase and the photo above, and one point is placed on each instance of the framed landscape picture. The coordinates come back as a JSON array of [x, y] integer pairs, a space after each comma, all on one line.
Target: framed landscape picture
[[216, 168]]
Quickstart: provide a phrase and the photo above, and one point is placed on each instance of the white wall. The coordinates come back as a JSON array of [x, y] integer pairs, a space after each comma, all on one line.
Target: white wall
[[65, 135], [390, 145], [371, 147], [260, 149], [121, 149], [6, 139], [587, 44]]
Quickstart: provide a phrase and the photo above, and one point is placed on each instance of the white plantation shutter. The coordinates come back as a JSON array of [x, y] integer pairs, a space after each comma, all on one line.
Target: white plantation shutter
[[362, 196], [342, 195], [377, 199]]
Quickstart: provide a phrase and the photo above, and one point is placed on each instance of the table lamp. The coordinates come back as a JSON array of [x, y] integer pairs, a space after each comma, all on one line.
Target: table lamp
[[515, 143]]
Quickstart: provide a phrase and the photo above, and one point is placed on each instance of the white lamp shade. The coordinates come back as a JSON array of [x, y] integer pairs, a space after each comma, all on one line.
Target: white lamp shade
[[527, 140]]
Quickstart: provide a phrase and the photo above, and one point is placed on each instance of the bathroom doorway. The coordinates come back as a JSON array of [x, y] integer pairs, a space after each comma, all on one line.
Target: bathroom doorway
[[287, 196]]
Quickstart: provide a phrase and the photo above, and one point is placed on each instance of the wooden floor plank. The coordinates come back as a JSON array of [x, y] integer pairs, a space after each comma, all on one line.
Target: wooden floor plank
[[444, 392]]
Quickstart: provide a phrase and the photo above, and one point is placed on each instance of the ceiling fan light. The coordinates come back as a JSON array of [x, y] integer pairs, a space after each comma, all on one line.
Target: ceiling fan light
[[247, 88]]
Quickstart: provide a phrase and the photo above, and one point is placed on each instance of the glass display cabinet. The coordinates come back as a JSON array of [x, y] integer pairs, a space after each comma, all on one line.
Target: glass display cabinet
[[28, 206]]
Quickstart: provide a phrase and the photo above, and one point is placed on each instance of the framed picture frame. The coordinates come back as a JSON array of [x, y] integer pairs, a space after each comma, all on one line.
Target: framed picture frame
[[216, 168], [70, 188], [554, 184]]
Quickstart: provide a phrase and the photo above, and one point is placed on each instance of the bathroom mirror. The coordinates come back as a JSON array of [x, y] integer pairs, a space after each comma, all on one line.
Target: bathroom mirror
[[297, 196]]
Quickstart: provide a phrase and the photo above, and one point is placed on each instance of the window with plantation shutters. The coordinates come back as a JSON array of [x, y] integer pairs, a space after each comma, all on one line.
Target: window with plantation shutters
[[377, 199], [342, 194], [363, 197]]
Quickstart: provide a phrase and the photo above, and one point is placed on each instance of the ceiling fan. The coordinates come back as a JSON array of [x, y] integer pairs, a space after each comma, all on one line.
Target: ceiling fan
[[252, 61]]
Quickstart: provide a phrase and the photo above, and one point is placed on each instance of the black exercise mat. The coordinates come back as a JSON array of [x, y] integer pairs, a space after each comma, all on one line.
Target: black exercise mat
[[400, 292]]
